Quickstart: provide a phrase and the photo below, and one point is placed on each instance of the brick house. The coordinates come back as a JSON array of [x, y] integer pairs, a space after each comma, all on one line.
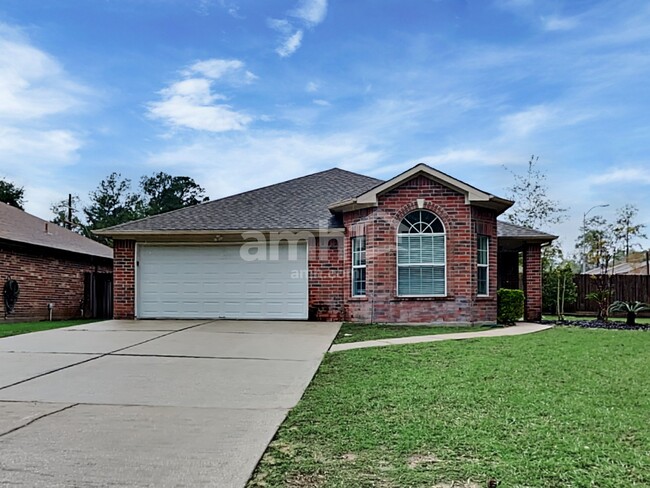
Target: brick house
[[48, 262], [422, 247]]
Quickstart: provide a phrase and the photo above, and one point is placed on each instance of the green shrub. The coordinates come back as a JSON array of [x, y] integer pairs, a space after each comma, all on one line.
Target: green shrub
[[510, 306]]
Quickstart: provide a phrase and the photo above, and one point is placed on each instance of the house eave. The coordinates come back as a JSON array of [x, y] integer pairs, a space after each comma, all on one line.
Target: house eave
[[212, 234]]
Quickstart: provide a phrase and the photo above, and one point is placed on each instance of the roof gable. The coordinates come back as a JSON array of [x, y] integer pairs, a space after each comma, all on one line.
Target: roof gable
[[473, 196], [21, 227]]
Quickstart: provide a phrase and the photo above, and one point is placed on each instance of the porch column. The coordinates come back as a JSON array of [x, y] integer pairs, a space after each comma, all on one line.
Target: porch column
[[533, 282]]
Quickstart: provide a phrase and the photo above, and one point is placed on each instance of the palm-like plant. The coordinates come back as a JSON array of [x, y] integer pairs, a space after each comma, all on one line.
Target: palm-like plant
[[630, 308]]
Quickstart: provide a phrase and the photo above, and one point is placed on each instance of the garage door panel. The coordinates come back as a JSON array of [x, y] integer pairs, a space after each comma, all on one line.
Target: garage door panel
[[212, 282]]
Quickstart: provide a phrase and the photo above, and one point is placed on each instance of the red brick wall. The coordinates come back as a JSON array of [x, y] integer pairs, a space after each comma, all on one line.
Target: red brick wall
[[45, 276], [484, 222], [380, 227], [533, 282], [123, 279], [326, 278]]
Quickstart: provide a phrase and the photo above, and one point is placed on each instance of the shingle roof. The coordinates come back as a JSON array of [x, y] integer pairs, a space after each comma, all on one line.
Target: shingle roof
[[508, 230], [301, 203], [20, 227]]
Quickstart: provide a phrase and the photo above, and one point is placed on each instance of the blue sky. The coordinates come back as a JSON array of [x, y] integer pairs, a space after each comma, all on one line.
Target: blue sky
[[241, 93]]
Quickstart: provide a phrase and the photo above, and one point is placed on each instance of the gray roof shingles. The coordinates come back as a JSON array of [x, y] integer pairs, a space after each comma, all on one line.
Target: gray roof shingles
[[508, 230], [301, 203], [21, 227]]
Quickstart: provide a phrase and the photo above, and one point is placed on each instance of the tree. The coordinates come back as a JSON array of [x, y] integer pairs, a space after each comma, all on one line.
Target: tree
[[533, 207], [112, 204], [596, 243], [12, 194], [65, 215], [164, 193], [625, 230], [558, 287], [598, 247]]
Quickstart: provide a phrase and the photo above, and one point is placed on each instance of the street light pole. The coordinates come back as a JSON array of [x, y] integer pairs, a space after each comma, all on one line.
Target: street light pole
[[584, 230]]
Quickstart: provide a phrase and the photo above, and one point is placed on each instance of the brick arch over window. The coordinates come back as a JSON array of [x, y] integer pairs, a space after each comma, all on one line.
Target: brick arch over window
[[421, 255], [431, 207]]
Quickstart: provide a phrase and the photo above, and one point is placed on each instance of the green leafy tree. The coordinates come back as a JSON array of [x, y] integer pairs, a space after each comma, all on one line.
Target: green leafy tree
[[625, 230], [163, 193], [69, 219], [533, 207], [12, 194], [112, 203]]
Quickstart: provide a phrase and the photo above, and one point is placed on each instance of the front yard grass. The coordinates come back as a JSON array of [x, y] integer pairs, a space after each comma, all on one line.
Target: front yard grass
[[564, 407], [369, 332], [10, 329]]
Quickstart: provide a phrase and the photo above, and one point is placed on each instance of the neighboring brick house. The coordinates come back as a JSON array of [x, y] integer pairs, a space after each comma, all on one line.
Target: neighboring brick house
[[334, 245], [48, 262]]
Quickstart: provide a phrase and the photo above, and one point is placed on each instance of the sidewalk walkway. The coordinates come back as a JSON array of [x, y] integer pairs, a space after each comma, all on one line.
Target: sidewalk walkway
[[519, 329]]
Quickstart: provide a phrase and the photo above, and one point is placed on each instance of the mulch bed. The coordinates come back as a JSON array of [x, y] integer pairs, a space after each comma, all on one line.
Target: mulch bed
[[597, 324]]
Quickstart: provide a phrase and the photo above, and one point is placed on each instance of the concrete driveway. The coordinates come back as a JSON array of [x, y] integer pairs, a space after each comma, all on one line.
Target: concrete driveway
[[150, 403]]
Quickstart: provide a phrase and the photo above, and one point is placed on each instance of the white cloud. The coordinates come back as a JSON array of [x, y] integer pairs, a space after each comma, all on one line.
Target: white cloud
[[559, 23], [33, 84], [321, 102], [312, 87], [232, 69], [524, 122], [290, 45], [475, 157], [227, 164], [308, 13], [635, 174], [42, 148], [312, 12], [232, 8], [34, 87], [191, 103]]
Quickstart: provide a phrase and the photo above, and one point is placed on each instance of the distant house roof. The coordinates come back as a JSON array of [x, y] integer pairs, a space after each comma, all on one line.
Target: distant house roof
[[20, 227], [623, 269]]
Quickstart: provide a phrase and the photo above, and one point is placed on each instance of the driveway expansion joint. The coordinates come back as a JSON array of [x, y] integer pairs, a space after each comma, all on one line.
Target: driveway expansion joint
[[100, 355], [36, 419]]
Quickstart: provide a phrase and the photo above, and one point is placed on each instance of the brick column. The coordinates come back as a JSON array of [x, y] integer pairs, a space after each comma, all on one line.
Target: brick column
[[123, 279], [533, 282]]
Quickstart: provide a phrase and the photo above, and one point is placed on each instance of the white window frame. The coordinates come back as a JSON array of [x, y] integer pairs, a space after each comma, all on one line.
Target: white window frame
[[486, 265], [432, 265], [359, 266]]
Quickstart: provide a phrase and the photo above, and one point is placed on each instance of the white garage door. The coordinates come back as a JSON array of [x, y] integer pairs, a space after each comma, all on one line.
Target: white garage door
[[215, 281]]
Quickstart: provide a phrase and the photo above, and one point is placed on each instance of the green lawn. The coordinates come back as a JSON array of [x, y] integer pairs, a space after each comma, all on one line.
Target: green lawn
[[369, 332], [9, 329], [565, 407], [639, 320]]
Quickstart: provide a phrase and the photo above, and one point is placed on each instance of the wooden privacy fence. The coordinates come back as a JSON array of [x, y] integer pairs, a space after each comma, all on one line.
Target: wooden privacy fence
[[98, 295], [628, 288]]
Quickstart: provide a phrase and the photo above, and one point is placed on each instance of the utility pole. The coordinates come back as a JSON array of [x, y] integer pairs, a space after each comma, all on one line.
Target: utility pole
[[68, 224]]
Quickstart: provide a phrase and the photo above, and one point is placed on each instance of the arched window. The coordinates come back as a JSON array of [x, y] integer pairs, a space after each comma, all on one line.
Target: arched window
[[421, 256]]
